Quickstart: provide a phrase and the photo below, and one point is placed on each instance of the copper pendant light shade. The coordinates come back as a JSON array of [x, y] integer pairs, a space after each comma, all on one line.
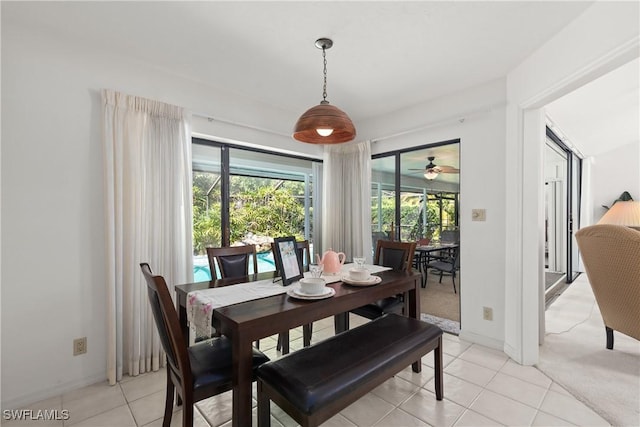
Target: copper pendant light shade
[[324, 116], [324, 123]]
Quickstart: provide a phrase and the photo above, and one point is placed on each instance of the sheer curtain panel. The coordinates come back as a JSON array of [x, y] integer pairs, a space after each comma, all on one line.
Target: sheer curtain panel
[[346, 208], [148, 212]]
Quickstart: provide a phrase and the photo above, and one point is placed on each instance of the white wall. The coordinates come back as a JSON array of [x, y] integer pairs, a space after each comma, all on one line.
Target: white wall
[[482, 149], [52, 195], [53, 287], [612, 173], [604, 37]]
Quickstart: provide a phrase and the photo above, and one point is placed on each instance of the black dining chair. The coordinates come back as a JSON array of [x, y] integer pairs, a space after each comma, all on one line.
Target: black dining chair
[[304, 254], [197, 372], [449, 265], [232, 261], [397, 256]]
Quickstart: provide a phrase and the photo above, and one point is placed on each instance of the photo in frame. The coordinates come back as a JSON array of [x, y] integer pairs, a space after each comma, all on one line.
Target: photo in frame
[[287, 261]]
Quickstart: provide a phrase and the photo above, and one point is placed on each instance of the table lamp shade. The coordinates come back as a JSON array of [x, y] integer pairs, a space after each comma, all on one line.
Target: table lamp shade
[[623, 213]]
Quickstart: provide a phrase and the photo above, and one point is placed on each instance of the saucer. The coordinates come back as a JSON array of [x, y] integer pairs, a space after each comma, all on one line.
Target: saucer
[[372, 280], [296, 293]]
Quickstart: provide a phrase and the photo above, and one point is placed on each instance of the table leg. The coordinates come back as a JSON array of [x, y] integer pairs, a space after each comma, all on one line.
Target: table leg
[[341, 322], [241, 414], [414, 311], [182, 318]]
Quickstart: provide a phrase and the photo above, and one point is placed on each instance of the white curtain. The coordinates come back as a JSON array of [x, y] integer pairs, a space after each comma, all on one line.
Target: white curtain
[[318, 182], [346, 220], [148, 213], [586, 200]]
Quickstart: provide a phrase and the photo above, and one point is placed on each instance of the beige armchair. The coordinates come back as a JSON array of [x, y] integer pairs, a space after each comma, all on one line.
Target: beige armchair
[[611, 255]]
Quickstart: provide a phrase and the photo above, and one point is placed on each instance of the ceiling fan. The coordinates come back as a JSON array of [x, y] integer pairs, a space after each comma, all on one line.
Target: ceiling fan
[[431, 171]]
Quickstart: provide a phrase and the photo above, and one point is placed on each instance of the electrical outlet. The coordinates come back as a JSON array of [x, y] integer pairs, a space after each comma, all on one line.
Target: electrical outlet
[[487, 313], [80, 346]]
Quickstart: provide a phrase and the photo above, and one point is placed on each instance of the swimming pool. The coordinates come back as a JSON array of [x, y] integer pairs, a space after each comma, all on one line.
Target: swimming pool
[[201, 272]]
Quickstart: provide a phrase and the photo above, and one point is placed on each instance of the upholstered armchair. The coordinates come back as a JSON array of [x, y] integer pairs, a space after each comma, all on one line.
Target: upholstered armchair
[[611, 256]]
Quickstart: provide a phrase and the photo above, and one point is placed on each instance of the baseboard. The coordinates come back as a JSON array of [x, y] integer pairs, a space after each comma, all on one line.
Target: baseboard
[[25, 400], [481, 339]]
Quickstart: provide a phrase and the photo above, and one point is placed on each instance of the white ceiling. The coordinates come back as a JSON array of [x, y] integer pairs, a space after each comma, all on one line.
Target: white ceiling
[[603, 114], [386, 55]]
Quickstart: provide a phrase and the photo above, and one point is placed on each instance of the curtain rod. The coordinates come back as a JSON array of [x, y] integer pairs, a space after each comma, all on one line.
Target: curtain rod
[[240, 124], [451, 119]]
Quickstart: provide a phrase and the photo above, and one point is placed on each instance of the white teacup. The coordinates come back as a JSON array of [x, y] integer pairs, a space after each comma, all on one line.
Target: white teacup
[[359, 273], [312, 285]]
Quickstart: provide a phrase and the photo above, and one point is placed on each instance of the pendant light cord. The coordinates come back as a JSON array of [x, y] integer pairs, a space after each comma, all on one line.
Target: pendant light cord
[[324, 86]]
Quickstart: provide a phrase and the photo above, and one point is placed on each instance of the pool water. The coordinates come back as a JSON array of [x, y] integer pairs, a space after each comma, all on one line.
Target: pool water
[[201, 272]]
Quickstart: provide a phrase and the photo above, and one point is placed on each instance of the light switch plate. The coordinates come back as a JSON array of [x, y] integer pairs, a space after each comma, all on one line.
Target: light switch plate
[[478, 214]]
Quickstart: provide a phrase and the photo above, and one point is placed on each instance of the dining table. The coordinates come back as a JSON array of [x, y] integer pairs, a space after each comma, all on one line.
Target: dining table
[[246, 322]]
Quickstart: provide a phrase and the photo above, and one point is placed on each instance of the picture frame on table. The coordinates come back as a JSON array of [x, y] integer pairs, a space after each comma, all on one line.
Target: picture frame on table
[[287, 260]]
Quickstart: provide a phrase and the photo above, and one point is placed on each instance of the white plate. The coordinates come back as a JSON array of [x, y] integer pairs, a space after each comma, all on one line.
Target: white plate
[[295, 293], [372, 280]]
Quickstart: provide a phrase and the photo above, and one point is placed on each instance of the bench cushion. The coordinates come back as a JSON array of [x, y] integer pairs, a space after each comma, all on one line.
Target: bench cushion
[[355, 358]]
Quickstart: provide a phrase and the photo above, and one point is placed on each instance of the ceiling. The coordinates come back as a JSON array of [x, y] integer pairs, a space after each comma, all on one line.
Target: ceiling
[[603, 114], [386, 55]]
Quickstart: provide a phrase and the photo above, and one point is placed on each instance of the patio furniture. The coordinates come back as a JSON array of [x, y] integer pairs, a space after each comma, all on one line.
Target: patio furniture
[[449, 265]]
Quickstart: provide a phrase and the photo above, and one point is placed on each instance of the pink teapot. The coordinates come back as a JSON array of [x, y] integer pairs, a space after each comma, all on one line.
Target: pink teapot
[[331, 261]]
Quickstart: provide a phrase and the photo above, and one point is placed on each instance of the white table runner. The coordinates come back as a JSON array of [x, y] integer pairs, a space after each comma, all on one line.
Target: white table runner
[[200, 304]]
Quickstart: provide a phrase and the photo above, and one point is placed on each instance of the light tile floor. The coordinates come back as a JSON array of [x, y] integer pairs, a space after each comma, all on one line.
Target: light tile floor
[[482, 386]]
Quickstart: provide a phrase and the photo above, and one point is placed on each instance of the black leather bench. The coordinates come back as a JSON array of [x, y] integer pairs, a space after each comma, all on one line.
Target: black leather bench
[[317, 382]]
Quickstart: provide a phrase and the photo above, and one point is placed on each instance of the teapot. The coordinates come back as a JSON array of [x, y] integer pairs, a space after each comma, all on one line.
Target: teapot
[[331, 261]]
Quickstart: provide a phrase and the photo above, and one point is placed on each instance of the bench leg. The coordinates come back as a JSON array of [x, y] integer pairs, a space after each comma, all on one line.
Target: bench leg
[[437, 359], [264, 410]]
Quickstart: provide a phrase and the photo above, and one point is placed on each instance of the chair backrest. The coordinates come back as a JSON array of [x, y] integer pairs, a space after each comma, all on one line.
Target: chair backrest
[[396, 255], [232, 261], [378, 235], [450, 236], [166, 318], [455, 258], [611, 255], [302, 251]]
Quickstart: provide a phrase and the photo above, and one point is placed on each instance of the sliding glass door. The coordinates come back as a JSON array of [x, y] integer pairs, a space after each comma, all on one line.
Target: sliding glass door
[[243, 196], [407, 203], [383, 199], [562, 172]]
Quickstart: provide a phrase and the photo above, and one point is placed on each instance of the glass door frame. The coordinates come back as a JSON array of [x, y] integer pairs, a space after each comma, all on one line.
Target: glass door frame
[[225, 182], [398, 178], [574, 167]]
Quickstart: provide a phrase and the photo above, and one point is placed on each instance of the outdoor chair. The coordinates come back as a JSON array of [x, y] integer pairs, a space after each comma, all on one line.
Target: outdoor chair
[[449, 265]]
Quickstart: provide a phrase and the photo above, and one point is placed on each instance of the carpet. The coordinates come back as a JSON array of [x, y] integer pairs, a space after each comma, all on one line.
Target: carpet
[[574, 355], [438, 299], [551, 278], [449, 326]]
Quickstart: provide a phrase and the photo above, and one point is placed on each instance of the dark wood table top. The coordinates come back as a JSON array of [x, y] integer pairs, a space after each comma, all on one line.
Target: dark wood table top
[[249, 321]]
